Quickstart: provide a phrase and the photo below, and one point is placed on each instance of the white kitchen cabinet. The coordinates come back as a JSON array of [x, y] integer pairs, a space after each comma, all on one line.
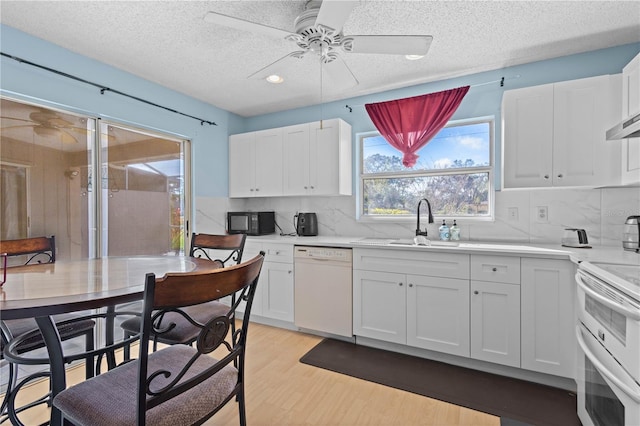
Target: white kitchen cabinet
[[414, 298], [631, 106], [548, 340], [274, 293], [554, 134], [495, 309], [379, 306], [255, 164], [438, 314], [317, 158], [495, 322]]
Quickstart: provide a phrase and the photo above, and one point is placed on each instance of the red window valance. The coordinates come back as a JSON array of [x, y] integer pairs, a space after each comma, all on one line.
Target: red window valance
[[410, 123]]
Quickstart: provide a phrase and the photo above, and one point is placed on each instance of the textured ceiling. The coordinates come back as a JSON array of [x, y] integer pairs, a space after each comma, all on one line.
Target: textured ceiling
[[169, 43]]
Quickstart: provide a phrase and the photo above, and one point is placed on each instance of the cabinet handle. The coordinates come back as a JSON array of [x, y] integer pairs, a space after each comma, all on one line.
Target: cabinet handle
[[400, 284], [475, 292], [312, 187], [290, 271], [251, 190], [560, 175], [546, 176], [257, 189], [494, 269], [306, 187]]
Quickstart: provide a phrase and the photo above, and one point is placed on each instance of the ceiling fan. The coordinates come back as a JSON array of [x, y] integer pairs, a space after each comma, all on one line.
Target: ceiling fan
[[318, 30], [48, 124]]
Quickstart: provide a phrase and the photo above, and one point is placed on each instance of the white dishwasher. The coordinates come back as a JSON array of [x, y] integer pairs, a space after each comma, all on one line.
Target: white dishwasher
[[324, 289]]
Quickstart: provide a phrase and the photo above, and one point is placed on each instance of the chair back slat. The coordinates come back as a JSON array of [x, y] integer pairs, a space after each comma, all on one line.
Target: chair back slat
[[41, 249], [232, 244]]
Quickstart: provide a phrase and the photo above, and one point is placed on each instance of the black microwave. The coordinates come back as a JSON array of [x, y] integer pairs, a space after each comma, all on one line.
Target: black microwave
[[251, 223]]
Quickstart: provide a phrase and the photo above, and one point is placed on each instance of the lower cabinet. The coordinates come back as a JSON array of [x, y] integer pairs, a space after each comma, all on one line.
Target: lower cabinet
[[379, 305], [438, 314], [508, 310], [548, 339], [274, 293], [495, 322]]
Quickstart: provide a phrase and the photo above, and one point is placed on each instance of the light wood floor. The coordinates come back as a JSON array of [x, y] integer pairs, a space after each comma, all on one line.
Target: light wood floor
[[282, 391]]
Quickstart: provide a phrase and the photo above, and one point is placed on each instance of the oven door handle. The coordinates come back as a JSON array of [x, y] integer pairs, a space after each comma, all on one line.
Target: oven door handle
[[629, 313], [602, 369]]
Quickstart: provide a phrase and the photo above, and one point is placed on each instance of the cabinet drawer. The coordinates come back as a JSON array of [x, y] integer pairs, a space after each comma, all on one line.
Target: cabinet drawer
[[495, 269], [275, 252], [417, 262]]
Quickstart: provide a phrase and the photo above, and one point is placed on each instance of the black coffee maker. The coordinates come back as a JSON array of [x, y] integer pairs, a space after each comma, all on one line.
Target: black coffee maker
[[306, 224]]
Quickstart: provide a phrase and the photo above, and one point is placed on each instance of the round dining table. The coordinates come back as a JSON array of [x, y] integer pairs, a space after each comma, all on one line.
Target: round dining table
[[39, 291]]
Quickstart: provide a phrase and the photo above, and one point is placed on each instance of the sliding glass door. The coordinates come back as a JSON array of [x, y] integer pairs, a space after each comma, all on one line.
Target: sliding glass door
[[102, 189]]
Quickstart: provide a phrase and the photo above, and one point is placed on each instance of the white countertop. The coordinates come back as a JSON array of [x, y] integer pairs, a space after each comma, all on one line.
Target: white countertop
[[610, 254]]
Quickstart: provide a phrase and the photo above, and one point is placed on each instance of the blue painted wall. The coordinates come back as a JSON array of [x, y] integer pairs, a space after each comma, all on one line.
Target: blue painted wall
[[25, 82], [209, 143]]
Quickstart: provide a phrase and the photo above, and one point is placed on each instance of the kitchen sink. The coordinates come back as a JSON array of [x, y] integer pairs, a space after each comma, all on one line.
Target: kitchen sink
[[429, 243]]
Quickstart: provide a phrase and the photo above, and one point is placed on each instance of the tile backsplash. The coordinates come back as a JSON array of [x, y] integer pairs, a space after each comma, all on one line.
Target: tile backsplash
[[601, 212]]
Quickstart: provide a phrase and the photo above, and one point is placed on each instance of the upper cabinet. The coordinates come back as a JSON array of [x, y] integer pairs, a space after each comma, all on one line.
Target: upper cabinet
[[631, 106], [317, 158], [255, 164], [554, 134], [304, 159]]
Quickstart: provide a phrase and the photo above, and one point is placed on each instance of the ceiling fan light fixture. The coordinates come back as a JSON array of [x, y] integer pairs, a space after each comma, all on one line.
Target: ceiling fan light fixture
[[275, 79], [414, 57]]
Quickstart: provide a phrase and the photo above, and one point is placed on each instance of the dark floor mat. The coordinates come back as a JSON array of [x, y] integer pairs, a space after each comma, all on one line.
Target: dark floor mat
[[502, 396]]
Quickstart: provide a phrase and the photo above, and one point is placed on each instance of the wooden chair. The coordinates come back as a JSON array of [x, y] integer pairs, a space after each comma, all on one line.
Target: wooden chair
[[36, 250], [229, 248], [178, 384]]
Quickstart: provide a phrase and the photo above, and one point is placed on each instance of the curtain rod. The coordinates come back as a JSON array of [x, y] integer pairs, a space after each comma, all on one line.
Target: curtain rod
[[501, 81], [104, 88]]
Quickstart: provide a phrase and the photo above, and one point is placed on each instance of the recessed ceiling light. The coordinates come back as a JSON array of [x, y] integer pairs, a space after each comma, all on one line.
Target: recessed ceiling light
[[414, 57], [275, 79]]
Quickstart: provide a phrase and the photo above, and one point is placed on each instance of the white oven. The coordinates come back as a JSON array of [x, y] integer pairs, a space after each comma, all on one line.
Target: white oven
[[608, 333]]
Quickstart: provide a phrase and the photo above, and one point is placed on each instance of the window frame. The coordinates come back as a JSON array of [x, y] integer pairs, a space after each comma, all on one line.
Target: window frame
[[410, 218]]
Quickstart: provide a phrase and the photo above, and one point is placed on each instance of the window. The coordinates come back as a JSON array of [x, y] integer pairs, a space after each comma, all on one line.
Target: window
[[454, 172]]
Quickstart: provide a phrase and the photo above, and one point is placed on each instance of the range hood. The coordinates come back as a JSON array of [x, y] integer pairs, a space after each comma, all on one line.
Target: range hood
[[629, 128]]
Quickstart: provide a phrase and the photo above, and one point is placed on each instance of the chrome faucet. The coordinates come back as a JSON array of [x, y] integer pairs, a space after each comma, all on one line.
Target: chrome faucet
[[418, 231]]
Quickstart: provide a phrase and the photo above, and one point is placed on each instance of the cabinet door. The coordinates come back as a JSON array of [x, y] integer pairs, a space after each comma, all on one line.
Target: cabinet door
[[581, 154], [548, 343], [630, 107], [438, 314], [527, 118], [268, 160], [296, 159], [324, 165], [276, 280], [379, 306], [495, 322], [242, 165]]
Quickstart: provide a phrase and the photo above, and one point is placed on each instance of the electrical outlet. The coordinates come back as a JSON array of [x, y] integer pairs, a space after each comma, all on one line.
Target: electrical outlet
[[542, 214], [512, 213]]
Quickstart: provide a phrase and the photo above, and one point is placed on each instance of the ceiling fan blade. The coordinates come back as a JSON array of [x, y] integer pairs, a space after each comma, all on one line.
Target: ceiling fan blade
[[391, 44], [277, 66], [340, 73], [243, 25], [334, 13]]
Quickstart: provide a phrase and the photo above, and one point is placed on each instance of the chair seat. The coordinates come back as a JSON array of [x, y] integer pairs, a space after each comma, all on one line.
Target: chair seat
[[110, 398], [184, 332], [77, 327]]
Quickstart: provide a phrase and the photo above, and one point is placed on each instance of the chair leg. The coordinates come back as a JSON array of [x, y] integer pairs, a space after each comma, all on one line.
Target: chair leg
[[127, 348], [13, 376], [89, 346], [241, 407]]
